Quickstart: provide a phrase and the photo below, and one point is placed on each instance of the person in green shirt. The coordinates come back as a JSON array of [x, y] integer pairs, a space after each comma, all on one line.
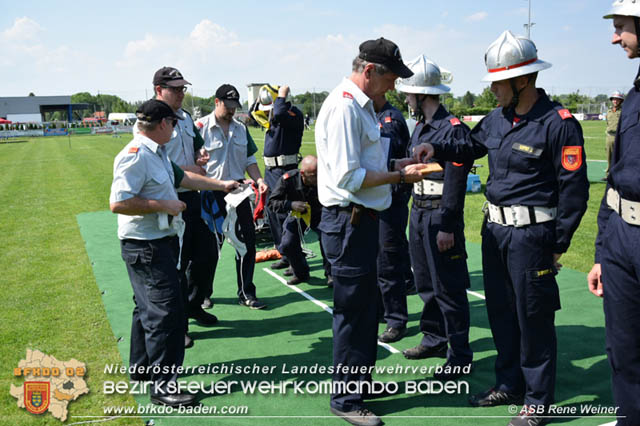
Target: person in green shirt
[[613, 116]]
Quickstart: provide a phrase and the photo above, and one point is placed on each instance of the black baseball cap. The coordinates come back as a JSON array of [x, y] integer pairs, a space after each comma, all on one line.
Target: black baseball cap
[[155, 110], [384, 52], [229, 95], [168, 76]]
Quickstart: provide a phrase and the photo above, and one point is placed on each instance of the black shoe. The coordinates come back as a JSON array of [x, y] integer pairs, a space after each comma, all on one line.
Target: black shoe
[[294, 280], [330, 281], [175, 400], [392, 334], [493, 397], [361, 417], [422, 352], [188, 341], [207, 303], [527, 418], [204, 318], [252, 303], [280, 264], [288, 272], [452, 371]]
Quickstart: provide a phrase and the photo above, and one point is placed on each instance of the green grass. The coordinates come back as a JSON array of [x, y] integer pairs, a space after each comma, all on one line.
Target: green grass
[[50, 300]]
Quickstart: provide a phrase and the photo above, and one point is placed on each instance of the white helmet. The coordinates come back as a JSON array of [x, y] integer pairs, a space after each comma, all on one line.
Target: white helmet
[[427, 78], [617, 95], [510, 56], [624, 8]]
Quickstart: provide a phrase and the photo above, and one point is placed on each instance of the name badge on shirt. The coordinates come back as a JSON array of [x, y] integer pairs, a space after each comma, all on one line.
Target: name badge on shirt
[[536, 152]]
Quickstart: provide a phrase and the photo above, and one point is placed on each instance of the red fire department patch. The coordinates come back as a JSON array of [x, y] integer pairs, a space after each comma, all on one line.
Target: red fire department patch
[[36, 396], [565, 113], [347, 95], [571, 157], [454, 121], [457, 164], [199, 124], [387, 119], [133, 149]]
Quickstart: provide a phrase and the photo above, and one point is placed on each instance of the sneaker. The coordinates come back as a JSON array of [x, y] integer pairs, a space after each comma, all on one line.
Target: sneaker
[[204, 318], [451, 371], [252, 303], [527, 418], [280, 264], [294, 280], [392, 334], [493, 397], [422, 352], [207, 303], [361, 417], [288, 272]]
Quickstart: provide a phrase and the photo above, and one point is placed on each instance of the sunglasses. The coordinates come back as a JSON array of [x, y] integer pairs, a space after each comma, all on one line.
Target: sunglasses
[[182, 89]]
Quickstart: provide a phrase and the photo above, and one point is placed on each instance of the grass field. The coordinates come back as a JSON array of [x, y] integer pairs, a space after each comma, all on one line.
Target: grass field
[[51, 301]]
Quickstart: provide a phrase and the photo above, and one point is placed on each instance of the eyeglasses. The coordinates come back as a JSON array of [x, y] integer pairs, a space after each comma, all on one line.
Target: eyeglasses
[[173, 121], [182, 89]]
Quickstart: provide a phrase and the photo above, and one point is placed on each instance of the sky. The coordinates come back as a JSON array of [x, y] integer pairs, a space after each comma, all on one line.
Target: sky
[[61, 48]]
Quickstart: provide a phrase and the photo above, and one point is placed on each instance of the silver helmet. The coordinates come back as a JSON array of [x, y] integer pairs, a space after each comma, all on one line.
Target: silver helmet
[[427, 78], [617, 95], [266, 96], [624, 8], [510, 56]]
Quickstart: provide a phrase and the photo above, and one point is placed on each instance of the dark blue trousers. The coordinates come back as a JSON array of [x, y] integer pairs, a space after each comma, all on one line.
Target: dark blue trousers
[[352, 251], [393, 262], [441, 280], [291, 247], [157, 325], [522, 297], [621, 285], [276, 220]]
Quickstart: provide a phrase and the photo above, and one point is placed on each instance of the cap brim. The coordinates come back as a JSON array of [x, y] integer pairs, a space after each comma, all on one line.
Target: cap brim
[[401, 70], [230, 103], [177, 83]]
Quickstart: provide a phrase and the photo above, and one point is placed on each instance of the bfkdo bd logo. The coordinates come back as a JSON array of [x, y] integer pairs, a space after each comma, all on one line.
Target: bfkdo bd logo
[[36, 396]]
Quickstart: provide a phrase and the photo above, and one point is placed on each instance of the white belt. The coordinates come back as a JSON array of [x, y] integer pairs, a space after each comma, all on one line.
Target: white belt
[[428, 187], [519, 215], [629, 211], [281, 160]]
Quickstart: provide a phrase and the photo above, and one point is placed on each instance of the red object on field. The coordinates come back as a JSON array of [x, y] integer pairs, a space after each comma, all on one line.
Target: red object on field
[[264, 255]]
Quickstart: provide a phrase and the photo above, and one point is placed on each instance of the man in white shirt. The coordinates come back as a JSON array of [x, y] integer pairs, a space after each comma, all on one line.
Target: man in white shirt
[[353, 186]]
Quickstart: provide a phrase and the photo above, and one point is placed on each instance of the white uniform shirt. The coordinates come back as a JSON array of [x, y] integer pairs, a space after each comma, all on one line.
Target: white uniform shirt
[[180, 147], [142, 169], [227, 156], [348, 144]]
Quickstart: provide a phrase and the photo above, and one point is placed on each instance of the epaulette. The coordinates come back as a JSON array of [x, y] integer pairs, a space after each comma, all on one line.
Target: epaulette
[[133, 150], [388, 119], [454, 121], [347, 95], [564, 113], [286, 176]]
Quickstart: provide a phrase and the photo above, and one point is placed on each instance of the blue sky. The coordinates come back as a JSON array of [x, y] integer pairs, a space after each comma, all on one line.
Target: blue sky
[[58, 48]]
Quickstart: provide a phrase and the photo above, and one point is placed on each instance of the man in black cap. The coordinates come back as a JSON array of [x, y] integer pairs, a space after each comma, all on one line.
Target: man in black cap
[[143, 194], [353, 186], [196, 270], [231, 153]]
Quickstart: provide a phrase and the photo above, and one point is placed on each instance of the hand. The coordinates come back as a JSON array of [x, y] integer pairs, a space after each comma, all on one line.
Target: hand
[[558, 265], [299, 206], [412, 173], [172, 207], [229, 185], [283, 91], [262, 187], [445, 241], [403, 162], [594, 280], [423, 152], [202, 157]]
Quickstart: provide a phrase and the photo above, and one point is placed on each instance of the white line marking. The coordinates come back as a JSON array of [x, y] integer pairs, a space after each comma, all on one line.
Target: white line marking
[[319, 303], [478, 295], [598, 161]]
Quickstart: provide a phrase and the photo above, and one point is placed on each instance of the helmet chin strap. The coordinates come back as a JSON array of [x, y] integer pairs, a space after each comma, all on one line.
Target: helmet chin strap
[[516, 94], [419, 114]]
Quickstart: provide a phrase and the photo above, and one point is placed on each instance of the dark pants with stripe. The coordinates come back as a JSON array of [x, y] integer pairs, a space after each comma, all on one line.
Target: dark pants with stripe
[[621, 285], [196, 265], [157, 325], [522, 297], [441, 279], [352, 251], [393, 262], [276, 220]]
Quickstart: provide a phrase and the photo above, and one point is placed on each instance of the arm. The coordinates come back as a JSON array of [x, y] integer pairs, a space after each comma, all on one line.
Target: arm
[[138, 206], [201, 183], [463, 150], [278, 201], [254, 173]]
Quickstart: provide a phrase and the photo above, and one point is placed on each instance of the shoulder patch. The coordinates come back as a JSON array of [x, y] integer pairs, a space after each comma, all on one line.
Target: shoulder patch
[[347, 95], [291, 113], [564, 113], [286, 176], [133, 150], [457, 164], [199, 124], [454, 121], [571, 157], [387, 119]]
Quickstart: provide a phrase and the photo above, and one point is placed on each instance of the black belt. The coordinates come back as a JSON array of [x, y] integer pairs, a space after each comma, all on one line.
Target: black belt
[[427, 204]]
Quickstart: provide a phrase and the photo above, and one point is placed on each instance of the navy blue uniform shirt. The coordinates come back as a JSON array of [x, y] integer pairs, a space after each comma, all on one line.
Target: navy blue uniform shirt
[[624, 172], [284, 136], [538, 161], [394, 126], [291, 188], [445, 126]]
